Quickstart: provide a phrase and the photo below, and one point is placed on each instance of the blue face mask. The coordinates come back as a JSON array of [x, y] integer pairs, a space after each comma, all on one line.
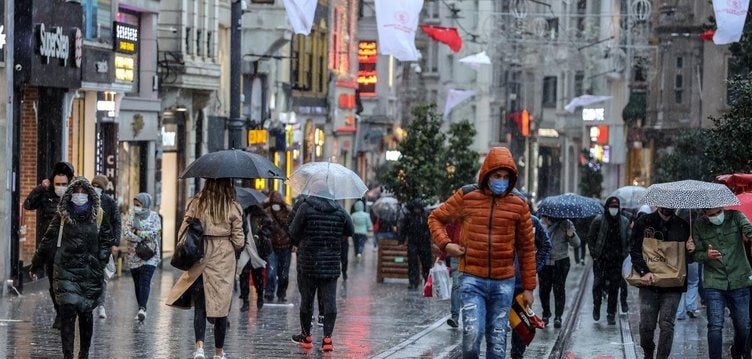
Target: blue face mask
[[498, 186]]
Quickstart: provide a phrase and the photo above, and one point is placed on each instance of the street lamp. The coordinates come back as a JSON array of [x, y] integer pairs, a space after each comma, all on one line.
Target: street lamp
[[237, 140]]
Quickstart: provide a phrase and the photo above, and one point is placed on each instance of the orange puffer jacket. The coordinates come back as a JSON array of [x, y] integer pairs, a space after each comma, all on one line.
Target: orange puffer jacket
[[493, 228]]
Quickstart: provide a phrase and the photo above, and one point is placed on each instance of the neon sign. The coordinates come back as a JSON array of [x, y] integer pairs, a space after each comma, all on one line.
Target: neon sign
[[367, 58]]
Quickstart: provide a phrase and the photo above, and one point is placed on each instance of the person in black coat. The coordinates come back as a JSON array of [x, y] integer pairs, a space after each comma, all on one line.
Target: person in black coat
[[44, 199], [79, 243], [316, 231], [112, 216], [260, 226], [414, 231]]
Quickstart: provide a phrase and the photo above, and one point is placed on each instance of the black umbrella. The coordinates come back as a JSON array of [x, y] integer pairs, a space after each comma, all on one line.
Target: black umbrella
[[232, 164], [249, 197]]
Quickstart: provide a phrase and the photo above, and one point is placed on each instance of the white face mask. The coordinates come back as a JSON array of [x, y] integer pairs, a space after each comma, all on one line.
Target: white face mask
[[717, 219], [276, 207], [613, 211], [139, 210], [79, 199], [98, 190], [60, 190]]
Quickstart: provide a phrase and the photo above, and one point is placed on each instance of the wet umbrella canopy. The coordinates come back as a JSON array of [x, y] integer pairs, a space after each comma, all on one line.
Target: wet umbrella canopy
[[326, 180], [249, 197], [232, 164], [387, 208], [630, 196], [689, 194], [569, 205]]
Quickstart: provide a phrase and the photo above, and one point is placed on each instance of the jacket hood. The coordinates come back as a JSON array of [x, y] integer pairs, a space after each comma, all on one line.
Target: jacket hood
[[359, 207], [62, 168], [276, 197], [322, 204], [145, 200], [416, 203], [611, 200], [498, 158], [63, 208]]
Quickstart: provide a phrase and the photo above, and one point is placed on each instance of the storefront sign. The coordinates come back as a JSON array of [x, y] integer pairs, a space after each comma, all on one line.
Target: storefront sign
[[393, 155], [125, 38], [107, 150], [593, 114], [97, 65], [367, 58], [257, 137], [599, 134], [53, 44], [124, 68]]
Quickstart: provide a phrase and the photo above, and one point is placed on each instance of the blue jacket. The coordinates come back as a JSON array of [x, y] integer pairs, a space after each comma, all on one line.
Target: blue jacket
[[542, 250]]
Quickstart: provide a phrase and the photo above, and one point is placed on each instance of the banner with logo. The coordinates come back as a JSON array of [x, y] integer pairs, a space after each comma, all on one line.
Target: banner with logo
[[397, 22], [730, 16], [300, 13]]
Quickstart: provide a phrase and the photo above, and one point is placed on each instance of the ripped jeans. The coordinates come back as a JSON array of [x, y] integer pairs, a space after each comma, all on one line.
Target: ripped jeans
[[485, 309]]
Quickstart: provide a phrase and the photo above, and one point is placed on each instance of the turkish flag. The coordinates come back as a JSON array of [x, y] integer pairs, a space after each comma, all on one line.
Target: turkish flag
[[707, 35], [446, 35]]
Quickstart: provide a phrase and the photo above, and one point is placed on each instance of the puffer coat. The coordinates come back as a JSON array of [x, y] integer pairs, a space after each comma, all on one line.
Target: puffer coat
[[83, 253], [279, 236], [493, 228], [317, 230]]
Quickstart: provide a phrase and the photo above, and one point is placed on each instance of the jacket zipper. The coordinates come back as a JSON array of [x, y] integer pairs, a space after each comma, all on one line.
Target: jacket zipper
[[490, 226]]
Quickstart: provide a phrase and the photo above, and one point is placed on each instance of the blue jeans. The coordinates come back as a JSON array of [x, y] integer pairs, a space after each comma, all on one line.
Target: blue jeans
[[737, 301], [688, 302], [455, 309], [359, 242], [278, 273], [485, 311], [142, 282]]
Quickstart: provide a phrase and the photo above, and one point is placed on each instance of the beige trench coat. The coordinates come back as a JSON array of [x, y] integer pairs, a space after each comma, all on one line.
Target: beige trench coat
[[218, 265]]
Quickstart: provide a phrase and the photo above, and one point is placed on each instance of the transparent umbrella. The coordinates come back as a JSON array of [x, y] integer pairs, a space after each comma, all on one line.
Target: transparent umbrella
[[630, 196], [326, 180], [387, 208]]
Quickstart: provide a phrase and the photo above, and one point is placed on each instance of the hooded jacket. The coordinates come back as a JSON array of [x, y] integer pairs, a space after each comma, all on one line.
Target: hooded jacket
[[44, 200], [493, 228], [361, 220], [83, 253], [149, 227], [597, 238], [317, 230], [110, 208], [279, 236], [414, 228]]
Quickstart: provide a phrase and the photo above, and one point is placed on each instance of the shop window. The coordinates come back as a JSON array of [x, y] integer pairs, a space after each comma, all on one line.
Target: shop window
[[579, 80], [549, 91], [97, 20]]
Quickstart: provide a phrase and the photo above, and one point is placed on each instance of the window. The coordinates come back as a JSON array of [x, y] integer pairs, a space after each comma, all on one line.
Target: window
[[97, 20], [198, 43], [209, 52], [552, 25], [679, 62], [549, 91], [433, 58], [679, 94], [188, 33], [679, 82], [579, 79]]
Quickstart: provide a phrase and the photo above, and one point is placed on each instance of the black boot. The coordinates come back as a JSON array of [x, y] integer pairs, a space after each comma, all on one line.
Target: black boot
[[596, 312], [259, 302], [245, 306], [611, 319], [56, 324], [624, 307]]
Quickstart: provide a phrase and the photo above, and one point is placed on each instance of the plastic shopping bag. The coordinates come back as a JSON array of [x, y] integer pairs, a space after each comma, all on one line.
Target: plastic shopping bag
[[109, 270], [428, 288], [442, 285]]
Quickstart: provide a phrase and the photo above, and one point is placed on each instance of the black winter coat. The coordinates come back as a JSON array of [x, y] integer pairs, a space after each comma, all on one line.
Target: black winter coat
[[44, 201], [414, 230], [317, 230], [112, 216], [80, 260]]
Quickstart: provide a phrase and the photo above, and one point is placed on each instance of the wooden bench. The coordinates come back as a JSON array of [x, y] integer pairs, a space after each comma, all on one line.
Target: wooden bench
[[392, 260]]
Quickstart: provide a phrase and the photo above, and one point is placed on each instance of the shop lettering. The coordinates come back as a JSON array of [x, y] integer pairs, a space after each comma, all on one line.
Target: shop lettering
[[54, 44], [110, 168]]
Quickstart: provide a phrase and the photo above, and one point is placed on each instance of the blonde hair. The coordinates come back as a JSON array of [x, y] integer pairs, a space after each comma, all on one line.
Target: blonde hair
[[216, 199]]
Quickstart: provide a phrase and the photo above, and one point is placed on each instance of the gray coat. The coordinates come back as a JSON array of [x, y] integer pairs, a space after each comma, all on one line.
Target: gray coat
[[559, 241]]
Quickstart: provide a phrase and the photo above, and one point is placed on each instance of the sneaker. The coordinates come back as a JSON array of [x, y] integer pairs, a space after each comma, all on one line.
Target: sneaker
[[452, 323], [101, 312], [611, 320], [305, 341], [557, 323], [326, 344], [320, 321], [141, 314], [199, 354]]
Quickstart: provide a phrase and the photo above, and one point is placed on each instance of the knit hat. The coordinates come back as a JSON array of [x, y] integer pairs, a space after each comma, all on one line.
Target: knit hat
[[613, 201], [100, 181]]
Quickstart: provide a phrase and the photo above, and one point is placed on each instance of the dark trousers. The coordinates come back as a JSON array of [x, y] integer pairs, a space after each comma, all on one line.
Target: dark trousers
[[142, 282], [278, 273], [554, 277], [344, 250], [199, 316], [657, 309], [49, 270], [68, 315], [327, 292], [359, 241], [258, 282], [579, 253], [418, 262], [607, 280]]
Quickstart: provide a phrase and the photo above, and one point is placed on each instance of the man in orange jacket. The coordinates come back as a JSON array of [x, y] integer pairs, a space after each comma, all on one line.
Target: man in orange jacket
[[495, 225]]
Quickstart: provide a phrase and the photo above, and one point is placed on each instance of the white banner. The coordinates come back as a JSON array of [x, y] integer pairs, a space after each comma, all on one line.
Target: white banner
[[454, 98], [397, 22], [584, 100], [729, 17], [475, 61], [300, 13]]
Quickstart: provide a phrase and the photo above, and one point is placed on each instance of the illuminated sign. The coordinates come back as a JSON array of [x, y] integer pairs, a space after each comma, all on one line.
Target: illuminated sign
[[593, 114], [601, 153], [124, 68], [548, 132], [393, 155], [599, 134], [126, 38], [367, 58], [257, 137]]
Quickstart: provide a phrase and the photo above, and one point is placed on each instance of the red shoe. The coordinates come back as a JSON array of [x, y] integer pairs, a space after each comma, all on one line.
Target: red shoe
[[327, 345], [305, 341]]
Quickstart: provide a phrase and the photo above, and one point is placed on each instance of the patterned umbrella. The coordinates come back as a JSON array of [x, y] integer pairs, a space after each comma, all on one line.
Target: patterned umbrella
[[689, 194], [569, 205], [630, 196]]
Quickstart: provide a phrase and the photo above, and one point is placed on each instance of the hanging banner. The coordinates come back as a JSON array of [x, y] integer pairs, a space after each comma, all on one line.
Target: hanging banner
[[730, 16], [397, 22], [476, 60], [444, 35], [584, 100], [454, 98], [300, 13]]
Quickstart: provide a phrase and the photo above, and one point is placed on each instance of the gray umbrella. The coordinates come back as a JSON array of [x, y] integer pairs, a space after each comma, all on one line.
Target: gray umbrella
[[232, 164], [689, 194], [248, 196]]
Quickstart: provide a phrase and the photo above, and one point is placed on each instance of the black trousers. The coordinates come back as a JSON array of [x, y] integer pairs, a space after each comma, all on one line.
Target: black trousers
[[68, 315], [607, 280], [418, 262], [344, 248], [554, 277], [49, 268], [199, 316], [245, 285], [579, 253], [327, 292]]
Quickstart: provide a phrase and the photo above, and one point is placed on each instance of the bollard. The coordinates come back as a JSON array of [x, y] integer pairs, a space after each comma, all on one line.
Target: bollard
[[119, 266]]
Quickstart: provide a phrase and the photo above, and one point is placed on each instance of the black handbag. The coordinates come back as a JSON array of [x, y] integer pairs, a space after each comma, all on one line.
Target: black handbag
[[144, 251], [190, 247]]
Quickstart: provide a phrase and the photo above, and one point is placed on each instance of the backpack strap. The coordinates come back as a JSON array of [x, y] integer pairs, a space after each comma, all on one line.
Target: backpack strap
[[469, 188]]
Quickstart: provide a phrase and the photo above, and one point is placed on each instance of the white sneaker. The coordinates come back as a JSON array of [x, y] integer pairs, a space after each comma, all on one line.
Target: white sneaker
[[220, 357], [101, 312], [199, 354], [141, 314]]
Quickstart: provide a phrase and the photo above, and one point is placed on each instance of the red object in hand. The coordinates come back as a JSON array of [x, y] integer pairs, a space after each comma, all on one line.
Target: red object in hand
[[523, 320], [707, 35], [428, 288], [446, 35]]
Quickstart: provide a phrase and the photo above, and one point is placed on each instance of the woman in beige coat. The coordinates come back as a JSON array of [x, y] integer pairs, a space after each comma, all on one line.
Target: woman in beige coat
[[208, 284]]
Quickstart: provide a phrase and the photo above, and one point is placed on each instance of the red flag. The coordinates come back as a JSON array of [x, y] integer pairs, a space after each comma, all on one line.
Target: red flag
[[446, 35], [707, 35]]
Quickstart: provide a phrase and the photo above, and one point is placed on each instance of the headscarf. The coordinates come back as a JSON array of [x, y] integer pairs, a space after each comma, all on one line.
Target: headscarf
[[145, 200]]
